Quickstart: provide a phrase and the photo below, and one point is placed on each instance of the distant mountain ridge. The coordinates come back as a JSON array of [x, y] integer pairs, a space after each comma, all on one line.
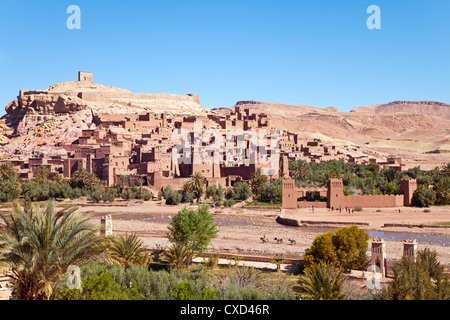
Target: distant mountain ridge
[[433, 108]]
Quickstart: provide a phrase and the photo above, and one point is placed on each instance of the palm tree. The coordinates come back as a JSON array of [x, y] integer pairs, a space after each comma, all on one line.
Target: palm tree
[[123, 178], [322, 281], [39, 246], [277, 260], [127, 249], [197, 184], [178, 256], [7, 171]]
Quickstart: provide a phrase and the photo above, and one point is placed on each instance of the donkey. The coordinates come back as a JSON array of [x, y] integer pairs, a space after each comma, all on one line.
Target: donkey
[[278, 240], [292, 241]]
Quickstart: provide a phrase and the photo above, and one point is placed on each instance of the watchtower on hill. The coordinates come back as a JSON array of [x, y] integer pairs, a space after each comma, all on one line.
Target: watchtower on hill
[[85, 76]]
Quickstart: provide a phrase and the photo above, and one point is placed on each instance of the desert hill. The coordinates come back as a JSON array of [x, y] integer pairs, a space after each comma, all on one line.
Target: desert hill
[[432, 108], [41, 120], [419, 131]]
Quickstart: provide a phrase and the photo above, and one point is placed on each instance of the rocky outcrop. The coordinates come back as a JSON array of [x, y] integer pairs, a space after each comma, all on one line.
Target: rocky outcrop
[[40, 120]]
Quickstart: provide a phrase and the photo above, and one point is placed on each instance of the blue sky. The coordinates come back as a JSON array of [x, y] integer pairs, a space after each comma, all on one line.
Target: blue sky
[[317, 53]]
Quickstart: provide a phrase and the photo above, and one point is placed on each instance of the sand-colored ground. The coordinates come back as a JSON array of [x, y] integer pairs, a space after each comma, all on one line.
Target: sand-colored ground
[[240, 229]]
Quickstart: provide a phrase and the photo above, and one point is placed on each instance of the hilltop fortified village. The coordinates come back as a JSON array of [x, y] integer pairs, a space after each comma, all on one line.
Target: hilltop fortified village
[[121, 147]]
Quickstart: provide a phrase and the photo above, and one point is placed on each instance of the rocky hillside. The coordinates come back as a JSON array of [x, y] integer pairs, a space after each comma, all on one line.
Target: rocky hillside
[[40, 120], [418, 131]]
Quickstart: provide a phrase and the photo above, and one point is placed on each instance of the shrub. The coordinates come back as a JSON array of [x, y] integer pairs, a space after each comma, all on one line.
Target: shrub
[[109, 196], [33, 191], [270, 192], [146, 196], [184, 291], [96, 195], [241, 191], [9, 190], [423, 197], [358, 208], [214, 192], [188, 197], [228, 202], [173, 197], [100, 287], [345, 247]]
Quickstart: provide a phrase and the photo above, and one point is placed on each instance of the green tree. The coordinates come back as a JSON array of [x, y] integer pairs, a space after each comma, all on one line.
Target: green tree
[[442, 189], [321, 250], [39, 245], [271, 192], [9, 190], [322, 281], [194, 228], [178, 256], [197, 184], [215, 193], [7, 171], [345, 247], [127, 249], [420, 280], [423, 197], [241, 191], [84, 180], [277, 260], [257, 180], [172, 197]]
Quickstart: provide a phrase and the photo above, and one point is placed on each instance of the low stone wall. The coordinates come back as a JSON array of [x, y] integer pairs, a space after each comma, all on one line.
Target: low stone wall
[[288, 222], [299, 223], [309, 204], [263, 207]]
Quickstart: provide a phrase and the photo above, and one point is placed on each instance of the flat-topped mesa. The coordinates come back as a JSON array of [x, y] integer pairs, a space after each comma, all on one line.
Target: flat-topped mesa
[[84, 94]]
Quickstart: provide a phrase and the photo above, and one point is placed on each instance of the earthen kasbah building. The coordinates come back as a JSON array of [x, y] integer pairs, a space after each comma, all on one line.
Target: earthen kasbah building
[[336, 199], [160, 149]]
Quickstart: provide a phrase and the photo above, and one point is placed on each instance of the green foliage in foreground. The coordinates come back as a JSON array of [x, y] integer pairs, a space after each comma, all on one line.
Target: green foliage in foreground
[[110, 282]]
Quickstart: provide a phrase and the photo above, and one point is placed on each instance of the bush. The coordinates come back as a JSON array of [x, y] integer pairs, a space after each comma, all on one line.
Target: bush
[[228, 202], [188, 197], [271, 192], [96, 195], [241, 191], [100, 287], [33, 191], [172, 197], [214, 192], [345, 247], [146, 196], [184, 291], [358, 208], [9, 190], [109, 196], [423, 197]]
